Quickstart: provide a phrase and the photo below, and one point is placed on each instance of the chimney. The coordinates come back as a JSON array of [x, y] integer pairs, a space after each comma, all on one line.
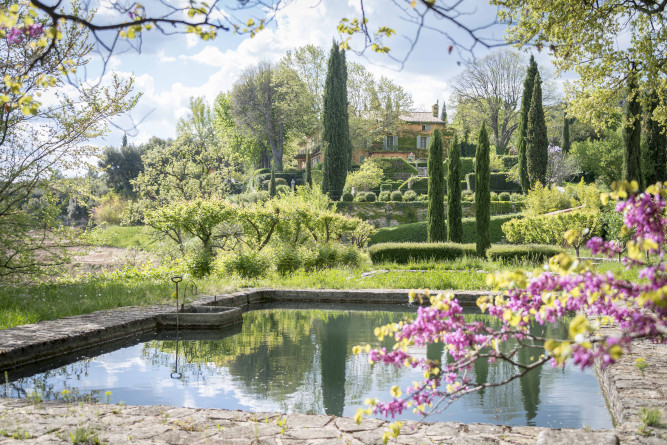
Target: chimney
[[436, 107]]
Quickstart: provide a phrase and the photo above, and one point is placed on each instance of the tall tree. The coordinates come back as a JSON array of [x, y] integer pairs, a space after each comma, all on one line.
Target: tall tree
[[483, 192], [235, 144], [537, 142], [528, 86], [443, 114], [437, 230], [489, 90], [335, 134], [121, 166], [454, 212], [632, 166], [309, 168], [655, 156], [272, 183], [566, 134]]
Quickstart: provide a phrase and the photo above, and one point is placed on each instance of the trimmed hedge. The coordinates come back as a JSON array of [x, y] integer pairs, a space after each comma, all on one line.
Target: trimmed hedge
[[418, 184], [467, 167], [468, 150], [498, 182], [526, 252], [406, 252], [509, 161], [416, 232], [394, 168]]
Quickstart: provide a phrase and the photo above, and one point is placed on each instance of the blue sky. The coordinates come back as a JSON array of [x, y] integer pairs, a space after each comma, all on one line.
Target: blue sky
[[171, 69]]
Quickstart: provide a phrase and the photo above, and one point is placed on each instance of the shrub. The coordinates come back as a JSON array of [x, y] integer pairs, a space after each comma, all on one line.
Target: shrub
[[349, 256], [527, 252], [498, 181], [200, 264], [467, 166], [288, 261], [406, 252], [393, 168], [110, 210], [368, 177], [549, 229], [370, 197], [326, 257], [347, 197], [361, 197], [409, 196], [396, 196], [262, 171], [504, 196], [494, 196], [417, 183], [509, 161], [247, 264], [291, 170], [384, 196], [283, 189], [540, 199], [279, 181]]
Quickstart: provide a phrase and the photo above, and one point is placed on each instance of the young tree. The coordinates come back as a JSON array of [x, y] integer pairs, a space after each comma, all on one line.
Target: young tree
[[454, 212], [566, 134], [632, 167], [437, 230], [537, 142], [528, 86], [655, 155], [335, 135], [309, 168], [443, 114], [483, 192], [272, 183]]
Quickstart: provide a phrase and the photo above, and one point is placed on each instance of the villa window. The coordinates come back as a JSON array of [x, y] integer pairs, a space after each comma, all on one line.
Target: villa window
[[422, 141], [426, 128], [390, 143]]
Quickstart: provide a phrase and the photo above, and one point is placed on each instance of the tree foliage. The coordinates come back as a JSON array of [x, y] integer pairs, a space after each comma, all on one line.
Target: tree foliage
[[632, 165], [566, 145], [121, 166], [483, 192], [654, 163], [537, 143], [454, 211], [528, 87], [437, 228], [335, 135]]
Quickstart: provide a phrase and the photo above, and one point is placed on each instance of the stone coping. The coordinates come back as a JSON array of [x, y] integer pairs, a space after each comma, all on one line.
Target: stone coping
[[627, 390]]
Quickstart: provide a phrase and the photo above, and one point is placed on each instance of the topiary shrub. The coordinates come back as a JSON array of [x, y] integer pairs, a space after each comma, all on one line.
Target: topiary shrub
[[509, 161], [384, 196], [504, 196], [467, 167], [397, 196], [404, 253], [417, 183], [409, 196], [288, 261], [361, 197], [498, 182], [283, 189], [347, 197], [262, 171], [527, 252], [291, 170], [494, 196], [247, 264], [394, 168], [370, 197]]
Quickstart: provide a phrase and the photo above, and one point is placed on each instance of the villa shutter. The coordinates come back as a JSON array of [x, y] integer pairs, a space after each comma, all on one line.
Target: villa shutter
[[384, 143], [395, 142], [417, 146], [428, 141]]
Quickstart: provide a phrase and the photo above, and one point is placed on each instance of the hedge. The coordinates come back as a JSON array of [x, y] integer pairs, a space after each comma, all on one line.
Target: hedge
[[549, 229], [509, 161], [526, 252], [498, 182], [418, 184], [467, 150], [394, 168], [467, 167], [407, 252], [416, 232]]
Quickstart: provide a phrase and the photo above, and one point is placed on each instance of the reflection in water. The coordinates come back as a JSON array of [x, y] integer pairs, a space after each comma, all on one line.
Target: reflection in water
[[300, 361]]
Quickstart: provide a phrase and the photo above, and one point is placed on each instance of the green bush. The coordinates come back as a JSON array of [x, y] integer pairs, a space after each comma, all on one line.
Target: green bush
[[417, 183], [416, 232], [549, 229], [262, 171], [349, 256], [110, 210], [467, 167], [200, 264], [288, 261], [409, 196], [370, 197], [404, 253], [468, 150], [394, 168], [361, 197], [509, 161], [384, 196], [347, 197], [504, 196], [526, 252], [291, 170], [283, 189], [494, 196], [396, 196], [279, 181], [247, 264], [498, 182]]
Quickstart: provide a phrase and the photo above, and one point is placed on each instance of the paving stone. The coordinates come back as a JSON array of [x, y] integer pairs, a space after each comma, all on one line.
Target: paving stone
[[569, 437]]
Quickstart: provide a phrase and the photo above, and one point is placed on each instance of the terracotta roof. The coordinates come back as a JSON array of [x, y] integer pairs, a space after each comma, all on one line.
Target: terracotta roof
[[421, 116]]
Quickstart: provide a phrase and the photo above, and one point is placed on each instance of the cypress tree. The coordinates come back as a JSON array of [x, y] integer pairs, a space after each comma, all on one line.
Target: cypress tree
[[272, 183], [436, 190], [454, 212], [655, 156], [483, 191], [566, 134], [443, 115], [335, 134], [309, 169], [537, 142], [632, 169], [528, 86]]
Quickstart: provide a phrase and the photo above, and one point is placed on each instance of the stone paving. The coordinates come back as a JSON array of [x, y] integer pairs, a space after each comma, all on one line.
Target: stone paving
[[21, 421]]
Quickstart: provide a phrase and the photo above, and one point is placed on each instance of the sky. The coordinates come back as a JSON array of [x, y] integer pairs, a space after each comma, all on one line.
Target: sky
[[170, 69]]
